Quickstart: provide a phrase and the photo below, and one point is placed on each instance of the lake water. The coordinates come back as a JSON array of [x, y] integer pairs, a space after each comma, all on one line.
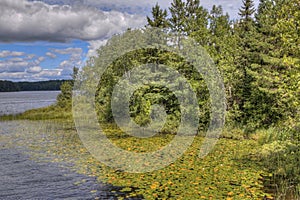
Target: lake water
[[18, 102], [25, 178]]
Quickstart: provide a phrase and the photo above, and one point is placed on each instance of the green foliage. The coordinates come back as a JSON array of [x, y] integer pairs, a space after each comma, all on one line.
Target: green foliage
[[64, 99], [247, 11], [52, 112], [149, 94], [159, 18], [280, 155], [8, 86]]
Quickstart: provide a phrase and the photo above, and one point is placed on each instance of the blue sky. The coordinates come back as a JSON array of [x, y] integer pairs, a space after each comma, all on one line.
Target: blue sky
[[44, 40]]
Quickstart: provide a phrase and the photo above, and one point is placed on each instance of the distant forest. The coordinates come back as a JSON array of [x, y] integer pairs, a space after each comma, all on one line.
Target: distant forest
[[9, 86]]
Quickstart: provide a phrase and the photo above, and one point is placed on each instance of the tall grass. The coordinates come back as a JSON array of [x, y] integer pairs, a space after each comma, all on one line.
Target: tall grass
[[280, 154], [52, 112]]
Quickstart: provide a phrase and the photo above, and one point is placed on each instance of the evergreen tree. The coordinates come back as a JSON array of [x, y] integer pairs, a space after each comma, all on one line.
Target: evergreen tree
[[159, 18], [178, 16], [246, 12], [223, 49], [64, 99], [278, 72], [247, 41], [219, 27], [196, 22]]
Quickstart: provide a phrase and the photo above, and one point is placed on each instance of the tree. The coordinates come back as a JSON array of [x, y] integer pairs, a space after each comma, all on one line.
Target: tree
[[64, 99], [223, 48], [178, 14], [247, 40], [278, 70], [246, 12], [219, 28], [159, 17], [196, 22]]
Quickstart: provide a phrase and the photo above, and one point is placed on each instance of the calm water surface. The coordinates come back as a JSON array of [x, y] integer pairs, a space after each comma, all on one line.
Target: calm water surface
[[18, 102], [21, 177], [25, 178]]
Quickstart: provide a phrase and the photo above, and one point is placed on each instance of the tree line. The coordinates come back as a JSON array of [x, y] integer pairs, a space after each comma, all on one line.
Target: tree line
[[9, 86], [258, 55]]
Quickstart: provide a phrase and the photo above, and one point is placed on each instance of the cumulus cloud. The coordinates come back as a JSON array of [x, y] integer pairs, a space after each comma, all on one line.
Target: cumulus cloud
[[31, 21], [5, 53], [41, 59], [34, 69], [93, 46], [75, 59], [144, 7], [51, 55], [34, 75], [19, 66], [68, 51], [30, 56], [128, 6], [13, 65], [47, 74]]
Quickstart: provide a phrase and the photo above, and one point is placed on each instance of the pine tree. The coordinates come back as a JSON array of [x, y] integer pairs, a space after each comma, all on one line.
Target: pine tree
[[247, 41], [223, 49], [196, 22], [159, 18], [278, 74], [246, 12], [178, 15]]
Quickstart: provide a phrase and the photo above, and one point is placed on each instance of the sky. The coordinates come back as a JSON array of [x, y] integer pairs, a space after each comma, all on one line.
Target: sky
[[44, 40]]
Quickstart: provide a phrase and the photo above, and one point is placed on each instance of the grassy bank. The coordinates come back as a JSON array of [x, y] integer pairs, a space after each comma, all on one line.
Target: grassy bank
[[52, 112]]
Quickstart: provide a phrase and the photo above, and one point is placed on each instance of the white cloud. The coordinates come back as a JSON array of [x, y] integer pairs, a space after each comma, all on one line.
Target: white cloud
[[31, 21], [128, 6], [75, 56], [5, 53], [48, 74], [21, 76], [75, 60], [68, 51], [51, 55], [41, 59], [93, 46], [35, 69], [27, 66], [19, 67], [34, 75], [13, 66], [15, 59], [30, 56], [144, 7]]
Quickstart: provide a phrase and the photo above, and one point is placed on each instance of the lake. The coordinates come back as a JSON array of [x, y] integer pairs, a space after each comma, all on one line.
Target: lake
[[23, 177], [18, 102], [29, 174]]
